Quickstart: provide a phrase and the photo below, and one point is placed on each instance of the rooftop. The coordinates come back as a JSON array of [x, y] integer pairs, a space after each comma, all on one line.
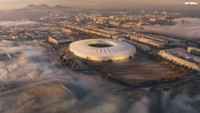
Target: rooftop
[[61, 37]]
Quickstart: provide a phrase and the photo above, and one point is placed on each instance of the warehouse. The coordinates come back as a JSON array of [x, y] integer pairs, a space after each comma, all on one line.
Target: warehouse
[[180, 56], [61, 39]]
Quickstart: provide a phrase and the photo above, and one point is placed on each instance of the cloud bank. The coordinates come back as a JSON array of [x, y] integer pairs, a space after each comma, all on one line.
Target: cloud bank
[[188, 31], [17, 23]]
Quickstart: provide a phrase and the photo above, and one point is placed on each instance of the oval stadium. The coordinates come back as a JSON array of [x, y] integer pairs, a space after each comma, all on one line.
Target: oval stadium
[[102, 49]]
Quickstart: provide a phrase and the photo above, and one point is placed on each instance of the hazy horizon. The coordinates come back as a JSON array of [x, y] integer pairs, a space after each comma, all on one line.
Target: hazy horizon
[[119, 4]]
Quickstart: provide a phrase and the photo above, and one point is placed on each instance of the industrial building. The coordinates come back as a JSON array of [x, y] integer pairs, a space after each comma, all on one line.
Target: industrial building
[[101, 32], [182, 57], [149, 41], [102, 49], [193, 50], [60, 39], [139, 46]]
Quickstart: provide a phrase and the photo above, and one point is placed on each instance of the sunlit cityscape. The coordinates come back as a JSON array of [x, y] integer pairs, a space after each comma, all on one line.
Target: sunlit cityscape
[[99, 56]]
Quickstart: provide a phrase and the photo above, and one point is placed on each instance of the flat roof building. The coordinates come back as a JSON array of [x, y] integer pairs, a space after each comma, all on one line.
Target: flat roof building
[[182, 57], [60, 39], [193, 50]]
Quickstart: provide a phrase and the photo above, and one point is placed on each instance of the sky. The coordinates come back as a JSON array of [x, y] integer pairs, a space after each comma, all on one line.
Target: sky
[[13, 4]]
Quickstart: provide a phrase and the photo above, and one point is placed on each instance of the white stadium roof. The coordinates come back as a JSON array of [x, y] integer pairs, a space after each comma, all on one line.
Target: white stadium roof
[[102, 49]]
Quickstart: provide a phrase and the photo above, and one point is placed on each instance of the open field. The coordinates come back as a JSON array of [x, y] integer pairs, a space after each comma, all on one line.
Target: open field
[[138, 68]]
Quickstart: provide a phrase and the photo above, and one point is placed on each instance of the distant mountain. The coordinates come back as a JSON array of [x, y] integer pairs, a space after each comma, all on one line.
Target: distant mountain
[[43, 7], [60, 6], [33, 12]]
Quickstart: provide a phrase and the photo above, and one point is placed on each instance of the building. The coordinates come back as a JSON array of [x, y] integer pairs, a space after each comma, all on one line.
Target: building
[[148, 41], [180, 56], [117, 36], [102, 49], [139, 46], [67, 30], [61, 39], [193, 50]]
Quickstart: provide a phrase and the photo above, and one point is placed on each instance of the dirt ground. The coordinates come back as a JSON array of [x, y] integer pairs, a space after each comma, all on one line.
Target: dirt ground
[[138, 68]]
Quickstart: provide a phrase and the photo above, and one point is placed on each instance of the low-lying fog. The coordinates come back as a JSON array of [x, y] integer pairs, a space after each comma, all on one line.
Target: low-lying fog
[[75, 92], [189, 31], [17, 23], [17, 15]]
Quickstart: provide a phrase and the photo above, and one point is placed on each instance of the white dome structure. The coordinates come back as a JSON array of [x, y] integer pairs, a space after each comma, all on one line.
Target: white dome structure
[[102, 49]]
